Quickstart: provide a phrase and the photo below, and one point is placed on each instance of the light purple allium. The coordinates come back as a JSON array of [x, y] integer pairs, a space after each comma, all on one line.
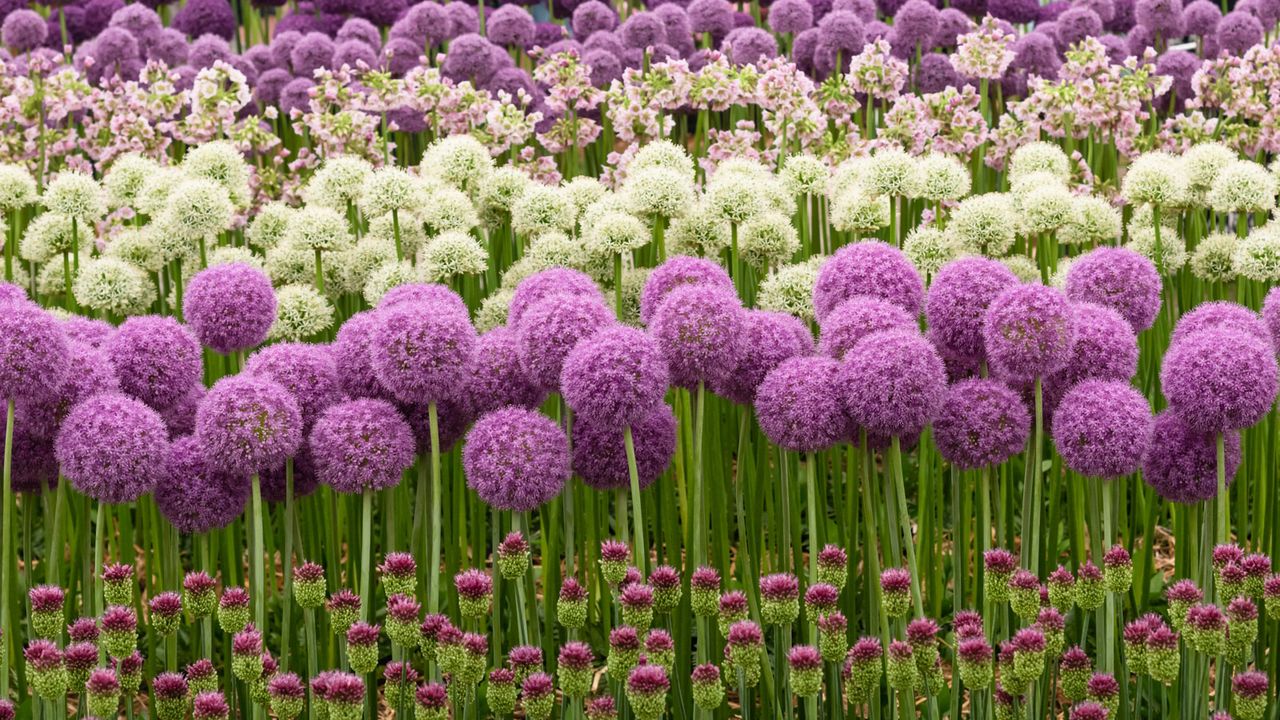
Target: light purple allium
[[751, 45], [615, 377], [1220, 315], [674, 273], [23, 31], [1219, 379], [1017, 12], [1074, 25], [156, 358], [34, 355], [867, 268], [89, 331], [591, 17], [496, 378], [112, 448], [699, 328], [420, 351], [841, 32], [195, 498], [1028, 331], [230, 307], [516, 459], [768, 339], [13, 293], [799, 405], [1102, 428], [856, 318], [550, 330], [643, 30], [1202, 18], [89, 372], [915, 24], [1238, 31], [982, 422], [470, 58], [361, 445], [511, 26], [1105, 348], [790, 16], [711, 16], [599, 451], [552, 281], [1182, 464], [248, 425], [893, 383], [307, 371], [351, 355], [434, 293], [1271, 315], [957, 303], [1117, 278]]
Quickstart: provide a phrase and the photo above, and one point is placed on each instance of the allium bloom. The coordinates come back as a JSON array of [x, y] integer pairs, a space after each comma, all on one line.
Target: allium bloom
[[361, 445], [1220, 315], [599, 450], [230, 307], [516, 459], [868, 268], [957, 303], [156, 358], [551, 329], [496, 378], [1243, 186], [893, 383], [674, 273], [981, 422], [248, 425], [194, 497], [552, 281], [1117, 278], [420, 351], [1181, 464], [699, 329], [857, 318], [1102, 428], [614, 377], [1105, 348], [112, 448], [1219, 379], [799, 405], [1028, 331]]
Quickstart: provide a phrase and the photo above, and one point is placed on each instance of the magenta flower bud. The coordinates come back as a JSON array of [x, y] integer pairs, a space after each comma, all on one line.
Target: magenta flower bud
[[83, 630], [967, 623], [636, 600], [102, 693], [46, 610], [1090, 587], [79, 659], [975, 655], [429, 632], [201, 676], [1271, 593], [861, 670], [833, 566], [1105, 690], [119, 631], [1206, 629], [398, 573], [525, 659], [1256, 567], [1075, 669], [999, 564], [805, 663], [895, 585], [513, 556], [1062, 588], [345, 695], [659, 648], [1250, 691], [614, 558], [246, 654], [210, 706], [1162, 656], [344, 609], [1053, 624], [117, 580], [362, 646], [708, 691], [1089, 711], [1024, 593], [779, 599], [1226, 554], [475, 592], [576, 662], [502, 691], [624, 651], [732, 607], [704, 591], [198, 594], [233, 609], [821, 599], [665, 581], [1231, 580], [171, 693], [901, 670], [7, 711], [402, 620], [287, 695], [309, 585], [745, 645], [431, 701], [166, 612], [1181, 595], [538, 696], [1134, 637], [600, 708], [571, 611]]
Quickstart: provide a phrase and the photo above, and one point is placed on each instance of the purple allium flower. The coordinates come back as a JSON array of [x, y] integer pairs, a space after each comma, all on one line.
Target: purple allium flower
[[420, 350], [361, 30], [1089, 710], [934, 73], [615, 377], [790, 16], [677, 272], [510, 26], [1220, 315], [156, 358], [952, 23], [194, 497], [841, 32], [856, 318], [551, 329], [207, 50], [470, 57], [599, 451], [893, 383], [957, 303], [1202, 18], [248, 425], [1105, 348], [915, 24], [1036, 53], [312, 52], [1179, 66], [591, 17], [751, 46], [89, 372], [799, 404], [711, 16], [24, 30], [1102, 428], [1028, 331], [516, 459], [643, 30], [112, 448], [549, 282], [10, 293], [463, 19], [1018, 12], [1181, 464], [1077, 23], [1160, 17], [352, 358], [981, 422], [496, 378], [1219, 379], [308, 372], [198, 17], [354, 52], [1118, 278], [296, 94], [271, 84], [423, 25], [361, 445], [453, 418], [34, 354]]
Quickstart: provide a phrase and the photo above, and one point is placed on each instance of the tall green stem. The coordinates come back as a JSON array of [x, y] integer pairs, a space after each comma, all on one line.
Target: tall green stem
[[904, 522], [366, 554], [433, 553], [258, 561], [5, 533], [641, 552]]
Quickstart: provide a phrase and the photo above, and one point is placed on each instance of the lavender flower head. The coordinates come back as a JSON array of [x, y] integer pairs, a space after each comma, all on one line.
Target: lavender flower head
[[496, 378], [893, 382], [1105, 348], [1181, 463], [552, 281], [195, 498], [1271, 315], [248, 425], [615, 377], [790, 16], [957, 304], [470, 58], [1028, 331], [751, 46], [419, 351], [1102, 428], [857, 318], [230, 307], [674, 273], [1160, 17], [23, 31], [799, 405], [112, 448], [516, 459], [551, 329], [1202, 18], [157, 359], [34, 354], [308, 372], [1223, 315], [511, 26], [982, 422], [1118, 278], [361, 445], [867, 268], [768, 339], [699, 329], [1219, 379]]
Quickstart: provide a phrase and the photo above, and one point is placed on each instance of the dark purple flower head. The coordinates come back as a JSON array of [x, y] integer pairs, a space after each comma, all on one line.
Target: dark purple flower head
[[207, 50], [1018, 12], [1242, 609], [34, 353], [156, 358], [166, 605], [705, 578], [432, 696], [361, 445], [420, 350], [1180, 66], [1102, 428], [199, 17], [711, 16], [893, 383], [90, 372], [599, 450], [516, 459], [1102, 685], [119, 618], [1036, 53], [24, 30], [1220, 315], [1219, 379], [112, 448], [1089, 710], [470, 57], [614, 377], [423, 24], [312, 52], [1255, 565], [1249, 684], [1206, 617], [296, 95], [352, 358], [591, 17], [981, 423], [895, 580], [967, 623], [230, 307], [1105, 348], [751, 46], [745, 633], [1118, 278], [624, 637], [463, 19], [537, 685], [171, 686], [1028, 331], [362, 634], [821, 596], [999, 560], [1202, 18], [1160, 17], [974, 650], [46, 598], [193, 496], [699, 328], [804, 657], [308, 372], [790, 16], [957, 303], [496, 378], [799, 404], [103, 682], [779, 586], [734, 603], [248, 424]]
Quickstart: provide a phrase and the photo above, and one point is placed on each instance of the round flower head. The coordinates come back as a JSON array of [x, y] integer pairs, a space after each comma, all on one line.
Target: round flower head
[[790, 16], [981, 423], [1181, 464], [308, 372], [674, 273], [1219, 379], [799, 407], [552, 281], [248, 425], [1102, 428], [427, 293], [1118, 278], [599, 450], [17, 187], [75, 195], [420, 350], [496, 378], [856, 318], [1105, 348], [768, 339], [1091, 220], [1028, 331], [699, 329], [351, 355], [112, 448], [868, 268], [195, 498], [112, 286], [1243, 186], [893, 382], [156, 358], [1257, 257], [361, 445], [33, 351], [929, 249], [23, 31], [985, 224], [196, 209], [552, 328], [614, 377], [516, 459], [1220, 315], [957, 303]]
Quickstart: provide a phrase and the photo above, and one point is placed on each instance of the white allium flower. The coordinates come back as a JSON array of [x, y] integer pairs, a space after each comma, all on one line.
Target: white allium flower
[[736, 197], [338, 182], [493, 310], [1155, 178], [768, 239], [47, 235], [929, 248], [1059, 277], [51, 278], [1039, 157], [805, 175], [1143, 216], [789, 289], [301, 312], [17, 187], [557, 249], [1202, 162], [1046, 208], [662, 153], [1257, 257], [984, 224], [891, 172], [583, 191], [228, 254], [633, 280], [197, 209], [1214, 258], [451, 254], [126, 177], [540, 208], [1173, 249], [361, 259], [607, 204], [386, 189], [859, 212], [1091, 220], [448, 209], [289, 264], [1243, 186], [140, 247], [848, 174], [1022, 268], [318, 228], [382, 279], [412, 233], [460, 160], [153, 198], [616, 234], [111, 285], [701, 233], [941, 178], [1019, 188], [266, 230], [223, 163], [498, 192], [75, 195], [659, 192]]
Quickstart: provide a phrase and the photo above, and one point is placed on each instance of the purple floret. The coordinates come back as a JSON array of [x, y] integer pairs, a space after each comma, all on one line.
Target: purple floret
[[193, 497], [676, 272], [359, 29], [354, 53], [230, 307], [1028, 331], [462, 18], [314, 51], [247, 425], [699, 328], [112, 448], [600, 456], [266, 93], [361, 445], [799, 405], [935, 73], [867, 268], [841, 32], [768, 338], [982, 422], [1076, 24], [711, 16], [157, 359], [470, 57], [914, 25], [751, 46], [1219, 379], [790, 16], [893, 382], [1182, 465], [614, 377], [1180, 66], [516, 459], [1160, 17], [951, 24], [643, 30], [89, 372], [419, 351], [1220, 314], [1105, 348], [198, 17], [1102, 428]]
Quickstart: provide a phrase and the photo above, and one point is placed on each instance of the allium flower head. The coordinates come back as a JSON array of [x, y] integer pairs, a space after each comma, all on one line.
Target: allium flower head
[[981, 422], [1243, 186], [248, 424], [552, 281], [516, 459], [1028, 331], [1154, 178], [230, 307], [699, 329], [799, 406], [1102, 428], [156, 358], [361, 445], [112, 448], [75, 195], [420, 351], [674, 273], [1181, 464], [193, 496], [615, 377], [1220, 315], [1120, 279], [1219, 379], [893, 382], [599, 451], [984, 224], [867, 268]]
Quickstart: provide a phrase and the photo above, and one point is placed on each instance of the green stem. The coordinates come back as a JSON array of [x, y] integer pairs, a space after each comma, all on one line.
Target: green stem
[[258, 560], [433, 553], [5, 549], [641, 552], [286, 637], [366, 554], [904, 521]]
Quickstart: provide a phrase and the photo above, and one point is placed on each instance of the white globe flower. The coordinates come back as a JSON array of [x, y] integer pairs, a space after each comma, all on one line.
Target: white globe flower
[[223, 163], [301, 313]]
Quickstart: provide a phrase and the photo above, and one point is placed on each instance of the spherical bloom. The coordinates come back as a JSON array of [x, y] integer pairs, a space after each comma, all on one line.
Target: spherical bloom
[[301, 313], [308, 372], [768, 338], [1222, 315], [361, 445], [516, 459], [699, 328], [868, 268], [248, 425], [552, 328], [751, 46], [893, 382], [591, 17], [614, 377], [552, 281], [17, 187], [1105, 348], [112, 286], [857, 318], [676, 272], [985, 224], [1120, 279], [496, 378], [1028, 331], [981, 422], [929, 248], [112, 448], [24, 30], [33, 351], [420, 350], [194, 497], [75, 195], [1219, 379], [1091, 220], [1238, 31], [599, 450], [799, 406], [957, 302], [1102, 428], [156, 358], [196, 209], [941, 177], [1243, 186], [230, 307], [790, 16]]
